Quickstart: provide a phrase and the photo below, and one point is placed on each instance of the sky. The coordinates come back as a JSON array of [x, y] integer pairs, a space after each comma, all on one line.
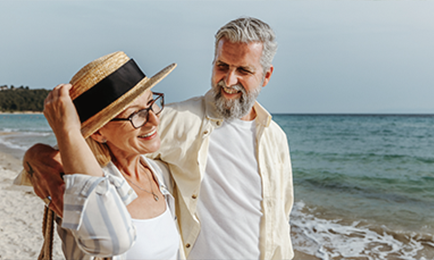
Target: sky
[[334, 56]]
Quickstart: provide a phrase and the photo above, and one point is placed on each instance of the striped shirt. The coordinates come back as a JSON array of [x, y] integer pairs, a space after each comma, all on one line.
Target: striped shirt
[[96, 222]]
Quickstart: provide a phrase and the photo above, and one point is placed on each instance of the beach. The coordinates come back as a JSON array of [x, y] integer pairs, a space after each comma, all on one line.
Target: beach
[[20, 216]]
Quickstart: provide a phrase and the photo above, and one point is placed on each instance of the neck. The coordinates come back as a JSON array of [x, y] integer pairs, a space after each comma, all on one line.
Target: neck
[[250, 116], [128, 164]]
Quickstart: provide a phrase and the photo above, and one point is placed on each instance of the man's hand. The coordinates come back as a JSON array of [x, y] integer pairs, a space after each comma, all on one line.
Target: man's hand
[[44, 166]]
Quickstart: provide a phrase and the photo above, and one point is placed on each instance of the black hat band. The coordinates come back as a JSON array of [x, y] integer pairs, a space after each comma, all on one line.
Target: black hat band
[[108, 90]]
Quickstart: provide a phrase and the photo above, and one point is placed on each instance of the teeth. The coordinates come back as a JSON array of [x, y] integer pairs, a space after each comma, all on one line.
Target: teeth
[[230, 90], [148, 134]]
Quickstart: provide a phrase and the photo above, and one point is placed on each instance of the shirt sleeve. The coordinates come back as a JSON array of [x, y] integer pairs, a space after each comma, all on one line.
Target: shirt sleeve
[[287, 177], [95, 212]]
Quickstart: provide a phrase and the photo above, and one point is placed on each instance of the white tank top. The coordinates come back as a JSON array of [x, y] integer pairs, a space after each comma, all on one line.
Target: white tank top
[[157, 238]]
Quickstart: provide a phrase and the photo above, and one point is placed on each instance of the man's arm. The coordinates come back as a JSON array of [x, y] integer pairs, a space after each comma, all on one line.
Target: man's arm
[[44, 166]]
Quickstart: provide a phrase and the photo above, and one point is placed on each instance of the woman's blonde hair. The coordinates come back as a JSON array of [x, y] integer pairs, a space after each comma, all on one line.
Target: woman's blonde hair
[[101, 151]]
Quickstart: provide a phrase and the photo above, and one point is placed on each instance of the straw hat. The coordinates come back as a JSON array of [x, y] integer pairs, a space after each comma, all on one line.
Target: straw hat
[[106, 86]]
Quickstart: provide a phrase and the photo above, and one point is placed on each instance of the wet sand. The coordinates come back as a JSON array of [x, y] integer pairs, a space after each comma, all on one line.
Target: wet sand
[[20, 216]]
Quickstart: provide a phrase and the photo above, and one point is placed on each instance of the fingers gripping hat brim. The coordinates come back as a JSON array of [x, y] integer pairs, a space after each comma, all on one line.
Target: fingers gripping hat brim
[[107, 86]]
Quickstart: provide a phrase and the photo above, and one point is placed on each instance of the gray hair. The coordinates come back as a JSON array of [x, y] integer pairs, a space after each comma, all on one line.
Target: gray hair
[[247, 30]]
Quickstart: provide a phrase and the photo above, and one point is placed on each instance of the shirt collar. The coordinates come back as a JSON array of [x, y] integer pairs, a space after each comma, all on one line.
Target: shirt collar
[[262, 115]]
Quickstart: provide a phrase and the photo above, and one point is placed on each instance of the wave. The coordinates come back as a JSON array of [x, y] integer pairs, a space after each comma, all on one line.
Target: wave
[[335, 239], [368, 157], [27, 130], [23, 140], [12, 145]]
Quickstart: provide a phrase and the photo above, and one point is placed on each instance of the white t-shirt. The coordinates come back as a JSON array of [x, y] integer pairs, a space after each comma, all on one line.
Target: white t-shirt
[[157, 238], [229, 203]]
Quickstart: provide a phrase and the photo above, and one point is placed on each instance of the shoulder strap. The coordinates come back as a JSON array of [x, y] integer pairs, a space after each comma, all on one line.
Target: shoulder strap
[[47, 232]]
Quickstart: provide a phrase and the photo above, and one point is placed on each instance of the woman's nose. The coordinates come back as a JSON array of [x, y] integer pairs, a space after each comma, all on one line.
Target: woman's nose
[[153, 118]]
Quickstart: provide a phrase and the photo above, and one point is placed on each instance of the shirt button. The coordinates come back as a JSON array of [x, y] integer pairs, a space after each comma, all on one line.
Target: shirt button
[[205, 132], [194, 196], [187, 245], [219, 123]]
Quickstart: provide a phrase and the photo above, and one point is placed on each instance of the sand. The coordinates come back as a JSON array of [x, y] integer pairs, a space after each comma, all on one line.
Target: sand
[[21, 214]]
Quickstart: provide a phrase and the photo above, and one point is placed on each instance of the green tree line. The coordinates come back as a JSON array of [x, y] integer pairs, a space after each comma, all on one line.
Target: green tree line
[[22, 99]]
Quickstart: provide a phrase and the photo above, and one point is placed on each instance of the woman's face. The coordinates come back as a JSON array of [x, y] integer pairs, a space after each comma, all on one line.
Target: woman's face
[[123, 139]]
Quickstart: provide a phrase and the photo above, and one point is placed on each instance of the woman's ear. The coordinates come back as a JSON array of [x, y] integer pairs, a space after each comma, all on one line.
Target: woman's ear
[[97, 136]]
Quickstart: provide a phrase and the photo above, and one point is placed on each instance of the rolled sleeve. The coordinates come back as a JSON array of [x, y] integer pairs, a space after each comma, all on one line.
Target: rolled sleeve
[[96, 214], [78, 191]]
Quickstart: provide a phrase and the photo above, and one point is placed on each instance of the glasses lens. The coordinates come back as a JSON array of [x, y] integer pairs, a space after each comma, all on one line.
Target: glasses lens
[[140, 118], [158, 105]]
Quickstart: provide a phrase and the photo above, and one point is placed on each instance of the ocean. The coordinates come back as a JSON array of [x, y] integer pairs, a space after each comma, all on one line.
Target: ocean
[[363, 184]]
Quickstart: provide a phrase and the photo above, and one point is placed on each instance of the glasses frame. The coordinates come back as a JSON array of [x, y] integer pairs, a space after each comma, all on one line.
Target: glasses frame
[[130, 118]]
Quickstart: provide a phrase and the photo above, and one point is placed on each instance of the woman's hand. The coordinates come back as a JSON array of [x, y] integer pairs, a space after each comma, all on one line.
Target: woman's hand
[[60, 110], [62, 116]]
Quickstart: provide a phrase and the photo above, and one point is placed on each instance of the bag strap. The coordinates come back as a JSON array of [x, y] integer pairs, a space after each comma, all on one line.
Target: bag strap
[[47, 233]]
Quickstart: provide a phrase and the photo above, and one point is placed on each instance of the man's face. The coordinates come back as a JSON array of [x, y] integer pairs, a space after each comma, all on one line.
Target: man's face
[[237, 77]]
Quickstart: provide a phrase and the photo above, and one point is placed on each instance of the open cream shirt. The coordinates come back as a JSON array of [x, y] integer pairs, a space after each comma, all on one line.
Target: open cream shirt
[[185, 129]]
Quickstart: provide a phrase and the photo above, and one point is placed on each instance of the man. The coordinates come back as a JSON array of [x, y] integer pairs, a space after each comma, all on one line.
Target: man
[[229, 160]]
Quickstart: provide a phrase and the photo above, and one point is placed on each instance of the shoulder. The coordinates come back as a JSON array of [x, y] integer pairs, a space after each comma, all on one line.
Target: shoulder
[[195, 103], [276, 130], [183, 114]]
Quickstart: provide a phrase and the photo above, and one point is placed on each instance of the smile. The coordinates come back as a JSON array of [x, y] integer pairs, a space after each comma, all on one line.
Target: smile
[[230, 90], [148, 134]]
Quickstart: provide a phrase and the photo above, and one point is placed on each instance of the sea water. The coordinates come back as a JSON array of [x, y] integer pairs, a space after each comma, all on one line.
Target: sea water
[[20, 131], [363, 184]]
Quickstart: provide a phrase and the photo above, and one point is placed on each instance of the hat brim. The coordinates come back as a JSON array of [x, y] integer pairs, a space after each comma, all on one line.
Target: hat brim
[[101, 118]]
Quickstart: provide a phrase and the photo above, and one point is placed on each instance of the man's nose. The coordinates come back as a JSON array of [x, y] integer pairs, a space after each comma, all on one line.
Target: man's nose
[[231, 78]]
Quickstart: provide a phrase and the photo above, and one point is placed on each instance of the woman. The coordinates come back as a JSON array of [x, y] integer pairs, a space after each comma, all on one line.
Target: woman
[[123, 210]]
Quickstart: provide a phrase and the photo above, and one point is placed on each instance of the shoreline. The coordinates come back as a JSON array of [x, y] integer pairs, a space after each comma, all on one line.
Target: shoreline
[[7, 151], [20, 112]]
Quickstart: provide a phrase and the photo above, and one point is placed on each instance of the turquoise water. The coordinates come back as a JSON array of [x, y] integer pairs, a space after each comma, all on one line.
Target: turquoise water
[[363, 174], [364, 184], [23, 131]]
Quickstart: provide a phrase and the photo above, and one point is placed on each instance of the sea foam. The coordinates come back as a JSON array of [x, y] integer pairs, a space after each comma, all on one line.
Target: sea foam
[[333, 239]]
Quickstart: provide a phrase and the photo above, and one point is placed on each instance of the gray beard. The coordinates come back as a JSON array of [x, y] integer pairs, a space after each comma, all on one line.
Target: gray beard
[[234, 108]]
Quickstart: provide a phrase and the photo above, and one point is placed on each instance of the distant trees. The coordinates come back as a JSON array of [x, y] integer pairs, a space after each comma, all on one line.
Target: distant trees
[[22, 99]]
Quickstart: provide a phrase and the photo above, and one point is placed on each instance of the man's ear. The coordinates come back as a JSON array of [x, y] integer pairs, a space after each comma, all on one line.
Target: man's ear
[[267, 75], [97, 136]]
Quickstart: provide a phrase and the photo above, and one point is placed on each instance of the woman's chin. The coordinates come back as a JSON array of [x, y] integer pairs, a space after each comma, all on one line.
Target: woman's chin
[[150, 147]]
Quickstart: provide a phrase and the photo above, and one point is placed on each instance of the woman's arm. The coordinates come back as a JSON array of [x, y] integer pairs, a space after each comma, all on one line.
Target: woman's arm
[[63, 119], [94, 207]]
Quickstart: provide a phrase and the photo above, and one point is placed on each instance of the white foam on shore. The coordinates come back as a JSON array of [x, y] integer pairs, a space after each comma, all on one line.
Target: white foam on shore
[[12, 145], [21, 140], [33, 131], [328, 239]]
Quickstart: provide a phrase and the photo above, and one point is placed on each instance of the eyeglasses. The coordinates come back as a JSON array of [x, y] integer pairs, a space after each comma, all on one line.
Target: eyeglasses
[[139, 118]]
